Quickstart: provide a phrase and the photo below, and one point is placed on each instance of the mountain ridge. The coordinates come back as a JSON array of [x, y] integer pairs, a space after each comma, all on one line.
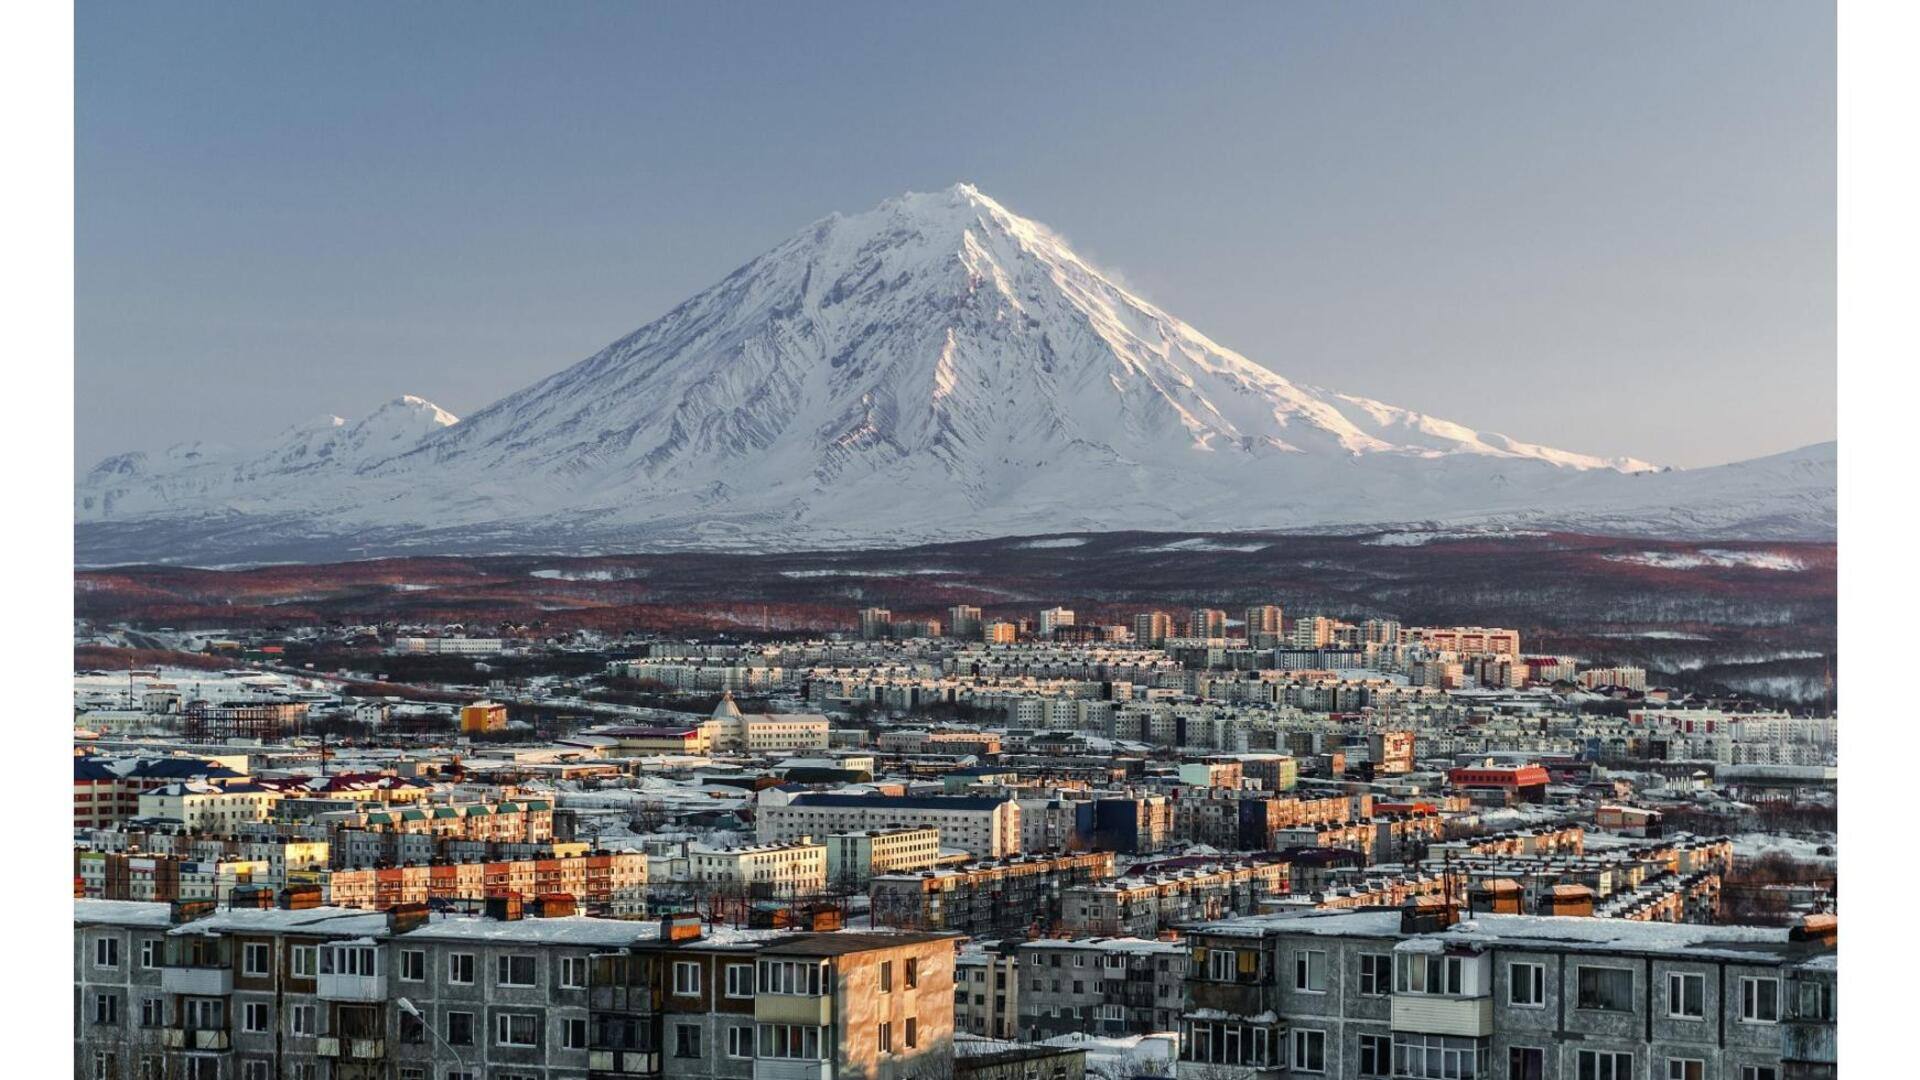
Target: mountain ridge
[[935, 367]]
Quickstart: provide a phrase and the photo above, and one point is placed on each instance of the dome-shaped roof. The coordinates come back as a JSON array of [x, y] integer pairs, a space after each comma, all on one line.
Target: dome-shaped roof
[[726, 706]]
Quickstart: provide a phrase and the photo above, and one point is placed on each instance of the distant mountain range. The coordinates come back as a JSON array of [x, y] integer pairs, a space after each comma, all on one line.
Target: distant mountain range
[[935, 369]]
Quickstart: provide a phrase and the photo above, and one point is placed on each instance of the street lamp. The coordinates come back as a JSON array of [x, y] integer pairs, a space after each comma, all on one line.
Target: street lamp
[[407, 1006]]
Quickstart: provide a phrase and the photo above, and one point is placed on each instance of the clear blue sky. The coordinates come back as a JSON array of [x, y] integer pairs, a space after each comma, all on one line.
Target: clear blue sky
[[1602, 226]]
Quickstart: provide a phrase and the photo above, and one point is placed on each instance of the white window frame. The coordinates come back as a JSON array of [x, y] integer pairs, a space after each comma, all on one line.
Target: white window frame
[[248, 952], [455, 961], [256, 1018], [1677, 980], [686, 978], [307, 1029], [1677, 1068], [1381, 982], [1531, 975], [417, 960], [1578, 1005], [573, 972], [1750, 999], [1307, 963], [503, 1024], [1606, 1065], [739, 981], [305, 961], [1299, 1041], [503, 968], [106, 951]]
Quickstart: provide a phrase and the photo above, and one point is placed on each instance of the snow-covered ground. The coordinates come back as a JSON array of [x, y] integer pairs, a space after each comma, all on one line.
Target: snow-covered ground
[[1804, 848], [1693, 560]]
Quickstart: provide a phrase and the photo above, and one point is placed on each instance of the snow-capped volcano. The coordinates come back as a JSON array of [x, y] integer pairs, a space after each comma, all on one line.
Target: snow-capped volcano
[[936, 368]]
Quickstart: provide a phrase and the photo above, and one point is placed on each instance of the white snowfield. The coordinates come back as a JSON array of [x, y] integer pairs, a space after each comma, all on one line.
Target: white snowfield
[[937, 368]]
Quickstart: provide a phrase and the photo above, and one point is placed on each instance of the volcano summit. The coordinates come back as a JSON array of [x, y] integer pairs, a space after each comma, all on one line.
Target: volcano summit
[[937, 368]]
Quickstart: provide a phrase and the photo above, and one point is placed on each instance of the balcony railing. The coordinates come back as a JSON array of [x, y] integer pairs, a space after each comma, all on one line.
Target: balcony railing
[[624, 1062], [333, 1046], [197, 981], [335, 987], [195, 1039], [1434, 1014]]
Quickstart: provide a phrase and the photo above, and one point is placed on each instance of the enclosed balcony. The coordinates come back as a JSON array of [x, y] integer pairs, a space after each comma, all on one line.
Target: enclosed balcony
[[197, 966], [620, 983], [1440, 993], [351, 971]]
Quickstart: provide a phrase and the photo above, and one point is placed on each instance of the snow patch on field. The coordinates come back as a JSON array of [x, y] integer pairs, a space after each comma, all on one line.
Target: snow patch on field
[[1199, 544], [1054, 542], [1718, 557], [588, 575], [1421, 539], [927, 572]]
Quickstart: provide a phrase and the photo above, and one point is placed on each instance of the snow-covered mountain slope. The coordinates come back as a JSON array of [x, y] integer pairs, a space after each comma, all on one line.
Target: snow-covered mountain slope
[[936, 368], [198, 478]]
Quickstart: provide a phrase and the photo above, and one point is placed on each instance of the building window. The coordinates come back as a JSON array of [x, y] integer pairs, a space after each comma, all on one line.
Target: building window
[[686, 1041], [686, 978], [739, 1041], [1220, 965], [573, 1035], [150, 953], [253, 1070], [413, 965], [1310, 971], [1603, 1065], [1309, 1050], [740, 981], [793, 977], [886, 1036], [103, 1066], [573, 972], [793, 1041], [1436, 1057], [254, 1019], [1526, 1063], [460, 968], [913, 1032], [1686, 1069], [1760, 1001], [1527, 985], [306, 961], [886, 976], [153, 1012], [1605, 988], [1686, 995], [413, 1030], [1376, 974], [913, 974], [1816, 1001], [1376, 1055], [516, 1029], [515, 971], [460, 1028], [301, 1021], [106, 1009], [1420, 974], [1759, 1072], [255, 959], [106, 952]]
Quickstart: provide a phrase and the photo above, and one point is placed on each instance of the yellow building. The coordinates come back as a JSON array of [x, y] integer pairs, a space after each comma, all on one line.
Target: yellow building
[[482, 716]]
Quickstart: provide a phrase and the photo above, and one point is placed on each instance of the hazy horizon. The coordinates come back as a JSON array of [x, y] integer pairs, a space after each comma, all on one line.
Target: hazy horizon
[[1609, 230]]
